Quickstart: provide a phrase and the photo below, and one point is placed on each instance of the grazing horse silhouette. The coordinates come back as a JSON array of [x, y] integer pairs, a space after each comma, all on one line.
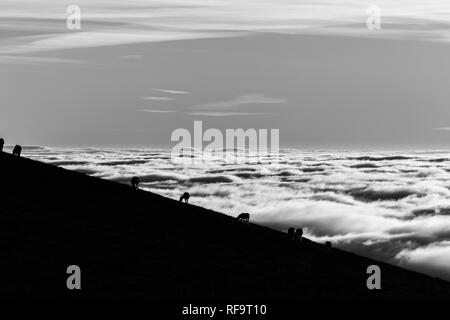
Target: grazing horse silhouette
[[299, 234], [244, 217], [17, 150], [291, 233], [2, 143], [185, 197], [328, 245], [135, 182]]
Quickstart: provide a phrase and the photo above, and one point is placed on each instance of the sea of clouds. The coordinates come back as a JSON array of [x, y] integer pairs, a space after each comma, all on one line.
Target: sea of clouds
[[393, 206]]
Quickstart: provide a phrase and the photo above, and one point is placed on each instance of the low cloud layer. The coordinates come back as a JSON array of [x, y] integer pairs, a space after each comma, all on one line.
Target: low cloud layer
[[389, 206]]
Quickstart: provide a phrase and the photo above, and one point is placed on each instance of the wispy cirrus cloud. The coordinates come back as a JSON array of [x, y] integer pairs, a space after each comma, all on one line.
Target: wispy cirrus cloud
[[157, 111], [224, 114], [171, 91], [30, 60], [157, 98], [228, 108], [165, 98], [133, 56], [205, 113], [232, 107], [94, 38], [109, 22], [243, 100]]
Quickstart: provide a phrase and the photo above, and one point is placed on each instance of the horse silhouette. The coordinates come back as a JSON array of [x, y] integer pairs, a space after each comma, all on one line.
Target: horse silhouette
[[295, 234], [17, 150], [135, 182], [291, 233], [299, 234], [185, 197], [243, 217], [328, 245], [2, 143]]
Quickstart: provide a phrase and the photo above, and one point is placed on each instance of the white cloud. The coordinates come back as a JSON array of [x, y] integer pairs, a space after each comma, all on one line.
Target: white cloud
[[433, 258], [133, 56], [248, 99], [171, 91], [157, 98], [106, 22], [99, 38], [35, 60], [157, 111], [224, 114]]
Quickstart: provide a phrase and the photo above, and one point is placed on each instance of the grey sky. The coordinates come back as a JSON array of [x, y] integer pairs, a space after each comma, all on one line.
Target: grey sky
[[132, 75]]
